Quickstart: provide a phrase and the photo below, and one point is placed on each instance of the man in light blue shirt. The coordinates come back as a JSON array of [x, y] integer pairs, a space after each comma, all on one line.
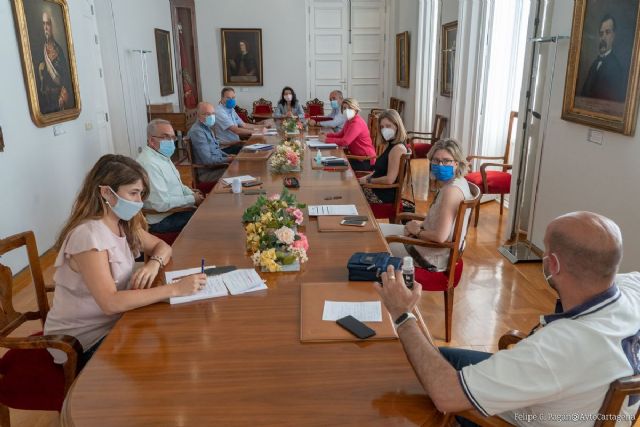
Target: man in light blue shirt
[[337, 119], [205, 147], [229, 127], [166, 189]]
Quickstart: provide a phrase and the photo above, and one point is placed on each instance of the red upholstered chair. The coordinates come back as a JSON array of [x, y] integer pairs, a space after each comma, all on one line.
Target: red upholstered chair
[[391, 210], [491, 181], [29, 379], [243, 114], [315, 109], [262, 109], [421, 142], [444, 281]]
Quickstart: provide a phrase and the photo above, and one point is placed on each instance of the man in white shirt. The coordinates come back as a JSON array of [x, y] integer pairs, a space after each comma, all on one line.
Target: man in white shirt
[[337, 118], [229, 127], [561, 372], [167, 191]]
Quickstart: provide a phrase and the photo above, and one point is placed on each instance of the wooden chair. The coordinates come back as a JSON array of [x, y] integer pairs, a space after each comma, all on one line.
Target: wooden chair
[[444, 281], [398, 105], [421, 142], [205, 187], [611, 405], [372, 121], [494, 182], [391, 210], [29, 379], [315, 108], [243, 114], [262, 109]]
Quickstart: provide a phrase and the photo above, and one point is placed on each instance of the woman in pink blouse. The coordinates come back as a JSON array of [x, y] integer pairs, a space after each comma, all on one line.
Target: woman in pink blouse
[[95, 281], [354, 136]]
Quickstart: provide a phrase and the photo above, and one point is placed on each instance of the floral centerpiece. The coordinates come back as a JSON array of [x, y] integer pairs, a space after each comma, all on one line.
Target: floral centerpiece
[[292, 125], [273, 239], [287, 157]]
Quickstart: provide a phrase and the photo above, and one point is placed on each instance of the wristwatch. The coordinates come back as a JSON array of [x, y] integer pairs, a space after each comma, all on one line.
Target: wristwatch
[[403, 318]]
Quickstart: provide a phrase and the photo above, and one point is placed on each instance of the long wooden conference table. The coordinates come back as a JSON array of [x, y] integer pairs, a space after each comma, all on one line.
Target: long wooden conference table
[[238, 360]]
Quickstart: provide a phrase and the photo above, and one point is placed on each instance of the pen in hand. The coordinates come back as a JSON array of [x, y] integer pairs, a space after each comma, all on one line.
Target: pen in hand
[[202, 266]]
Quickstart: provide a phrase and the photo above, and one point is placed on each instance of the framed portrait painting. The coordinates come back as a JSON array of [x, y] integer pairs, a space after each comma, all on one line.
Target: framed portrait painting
[[163, 55], [242, 56], [601, 85], [447, 61], [402, 59], [48, 60]]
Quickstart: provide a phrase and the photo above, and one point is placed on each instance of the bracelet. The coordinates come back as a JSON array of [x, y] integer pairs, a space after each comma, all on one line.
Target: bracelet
[[157, 258]]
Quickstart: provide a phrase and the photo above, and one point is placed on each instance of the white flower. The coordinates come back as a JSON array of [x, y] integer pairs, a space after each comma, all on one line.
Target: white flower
[[256, 258], [301, 254], [285, 235]]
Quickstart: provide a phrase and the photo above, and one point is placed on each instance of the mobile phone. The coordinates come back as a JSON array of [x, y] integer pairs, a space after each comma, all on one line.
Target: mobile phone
[[251, 183], [254, 192], [291, 182], [356, 222], [356, 327], [356, 218]]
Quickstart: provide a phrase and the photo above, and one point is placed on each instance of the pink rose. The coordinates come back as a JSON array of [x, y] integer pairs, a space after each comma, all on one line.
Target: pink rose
[[302, 243], [274, 197], [292, 158]]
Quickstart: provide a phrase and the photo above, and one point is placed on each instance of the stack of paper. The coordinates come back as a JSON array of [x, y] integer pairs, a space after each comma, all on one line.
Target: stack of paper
[[235, 282], [365, 311], [258, 147], [319, 210], [243, 178], [267, 132], [315, 143]]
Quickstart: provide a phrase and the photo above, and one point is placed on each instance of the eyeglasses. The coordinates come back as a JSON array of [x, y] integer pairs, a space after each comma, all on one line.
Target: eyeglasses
[[170, 137], [444, 162]]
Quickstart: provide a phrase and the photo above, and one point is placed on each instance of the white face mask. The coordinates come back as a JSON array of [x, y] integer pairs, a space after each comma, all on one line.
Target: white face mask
[[548, 276], [349, 113], [388, 133], [288, 98]]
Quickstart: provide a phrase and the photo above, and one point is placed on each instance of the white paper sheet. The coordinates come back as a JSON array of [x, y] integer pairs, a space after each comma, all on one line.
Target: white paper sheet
[[336, 210], [314, 143], [243, 178], [243, 281], [214, 287], [365, 311]]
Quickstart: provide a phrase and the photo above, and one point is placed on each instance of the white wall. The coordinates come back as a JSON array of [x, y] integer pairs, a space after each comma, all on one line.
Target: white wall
[[579, 175], [405, 19], [40, 173], [283, 24], [124, 26], [449, 13]]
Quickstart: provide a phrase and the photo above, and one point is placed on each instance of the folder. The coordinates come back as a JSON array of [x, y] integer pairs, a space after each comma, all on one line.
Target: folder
[[332, 223], [312, 298]]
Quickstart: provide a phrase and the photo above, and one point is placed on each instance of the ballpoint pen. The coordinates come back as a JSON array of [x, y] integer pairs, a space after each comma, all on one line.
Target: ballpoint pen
[[202, 266]]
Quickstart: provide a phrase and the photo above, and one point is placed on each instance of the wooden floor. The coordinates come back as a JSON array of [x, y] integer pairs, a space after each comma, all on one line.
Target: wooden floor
[[493, 296]]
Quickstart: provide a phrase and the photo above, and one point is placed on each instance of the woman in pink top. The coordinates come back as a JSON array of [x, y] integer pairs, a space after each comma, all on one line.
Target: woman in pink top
[[94, 275], [354, 136]]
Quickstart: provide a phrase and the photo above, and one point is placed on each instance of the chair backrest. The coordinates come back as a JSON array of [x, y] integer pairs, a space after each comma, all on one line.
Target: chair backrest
[[262, 106], [243, 114], [401, 180], [615, 398], [507, 148], [398, 105], [439, 124], [10, 319], [372, 121], [315, 107], [192, 164], [463, 216]]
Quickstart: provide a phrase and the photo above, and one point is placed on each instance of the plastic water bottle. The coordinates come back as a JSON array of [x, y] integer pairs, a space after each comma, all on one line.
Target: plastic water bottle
[[408, 271], [318, 156]]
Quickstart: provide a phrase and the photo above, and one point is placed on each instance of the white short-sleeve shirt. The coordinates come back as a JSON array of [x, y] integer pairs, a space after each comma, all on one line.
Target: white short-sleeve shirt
[[559, 375], [225, 118]]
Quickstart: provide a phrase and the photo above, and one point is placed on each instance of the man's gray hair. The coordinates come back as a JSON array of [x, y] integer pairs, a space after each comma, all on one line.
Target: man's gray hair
[[153, 124]]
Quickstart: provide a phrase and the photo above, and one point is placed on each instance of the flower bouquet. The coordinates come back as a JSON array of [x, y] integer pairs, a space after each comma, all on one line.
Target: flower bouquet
[[292, 125], [273, 240], [287, 157]]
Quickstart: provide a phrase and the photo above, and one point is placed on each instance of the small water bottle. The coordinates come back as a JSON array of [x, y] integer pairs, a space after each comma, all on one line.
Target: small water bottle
[[318, 156], [408, 271]]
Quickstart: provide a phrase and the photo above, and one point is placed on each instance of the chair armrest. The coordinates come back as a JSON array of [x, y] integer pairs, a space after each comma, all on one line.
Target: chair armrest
[[49, 288], [354, 157], [510, 338], [418, 242], [501, 165], [374, 185], [212, 166], [409, 216], [476, 417], [173, 210]]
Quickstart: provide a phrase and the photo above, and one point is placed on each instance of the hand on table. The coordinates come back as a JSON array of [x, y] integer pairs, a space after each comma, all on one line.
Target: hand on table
[[322, 137], [394, 293], [363, 179], [312, 122], [189, 285], [144, 276]]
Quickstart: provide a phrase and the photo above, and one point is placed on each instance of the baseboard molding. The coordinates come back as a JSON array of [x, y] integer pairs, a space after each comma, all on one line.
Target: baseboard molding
[[23, 278]]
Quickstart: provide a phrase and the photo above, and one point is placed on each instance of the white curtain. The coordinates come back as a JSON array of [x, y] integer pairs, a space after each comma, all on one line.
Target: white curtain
[[428, 27], [506, 25]]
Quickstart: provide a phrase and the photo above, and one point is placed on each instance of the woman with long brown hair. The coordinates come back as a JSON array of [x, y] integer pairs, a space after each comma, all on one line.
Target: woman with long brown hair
[[94, 275]]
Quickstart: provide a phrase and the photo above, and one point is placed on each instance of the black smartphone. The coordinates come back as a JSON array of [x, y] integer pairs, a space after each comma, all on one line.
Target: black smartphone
[[356, 327], [251, 183], [355, 218], [254, 192], [353, 222], [291, 182]]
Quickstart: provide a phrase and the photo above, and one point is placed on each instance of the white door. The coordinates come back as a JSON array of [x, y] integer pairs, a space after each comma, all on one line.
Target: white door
[[346, 45]]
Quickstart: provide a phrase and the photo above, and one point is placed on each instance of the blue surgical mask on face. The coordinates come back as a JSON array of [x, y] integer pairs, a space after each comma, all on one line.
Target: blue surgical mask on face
[[167, 147], [210, 120], [442, 172], [230, 103], [334, 104], [124, 209]]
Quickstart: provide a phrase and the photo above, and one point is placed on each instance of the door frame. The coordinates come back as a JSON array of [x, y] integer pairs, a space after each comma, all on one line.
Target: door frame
[[189, 4]]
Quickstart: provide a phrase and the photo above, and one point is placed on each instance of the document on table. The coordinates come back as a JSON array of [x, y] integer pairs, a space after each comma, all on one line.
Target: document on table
[[268, 132], [235, 282], [314, 143], [257, 147], [243, 178], [365, 311], [335, 210]]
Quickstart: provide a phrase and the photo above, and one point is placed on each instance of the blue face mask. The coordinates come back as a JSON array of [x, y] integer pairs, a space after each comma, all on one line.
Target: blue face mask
[[167, 147], [442, 172], [334, 104], [125, 209], [210, 120], [230, 103]]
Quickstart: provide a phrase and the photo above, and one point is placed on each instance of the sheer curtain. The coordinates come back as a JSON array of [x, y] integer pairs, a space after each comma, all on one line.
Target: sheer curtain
[[506, 29], [428, 27]]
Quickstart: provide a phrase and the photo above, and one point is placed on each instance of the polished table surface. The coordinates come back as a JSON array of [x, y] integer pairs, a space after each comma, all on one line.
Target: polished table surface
[[238, 360]]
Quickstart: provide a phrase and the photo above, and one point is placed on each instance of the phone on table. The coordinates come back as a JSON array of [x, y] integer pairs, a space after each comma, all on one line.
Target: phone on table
[[356, 218], [254, 192], [291, 182], [252, 183], [356, 327], [354, 222]]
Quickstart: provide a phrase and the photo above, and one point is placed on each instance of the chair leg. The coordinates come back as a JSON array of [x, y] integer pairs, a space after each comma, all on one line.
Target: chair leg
[[5, 419], [448, 313], [477, 213], [501, 204]]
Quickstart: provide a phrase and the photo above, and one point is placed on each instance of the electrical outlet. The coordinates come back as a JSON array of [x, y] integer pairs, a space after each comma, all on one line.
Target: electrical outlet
[[58, 130], [595, 136]]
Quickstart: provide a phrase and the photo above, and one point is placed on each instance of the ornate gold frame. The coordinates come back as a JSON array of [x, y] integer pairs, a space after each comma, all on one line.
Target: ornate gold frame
[[163, 39], [42, 120], [402, 45], [624, 124], [226, 81], [444, 62]]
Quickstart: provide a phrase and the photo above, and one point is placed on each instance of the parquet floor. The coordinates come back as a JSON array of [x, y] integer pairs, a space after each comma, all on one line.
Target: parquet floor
[[493, 297]]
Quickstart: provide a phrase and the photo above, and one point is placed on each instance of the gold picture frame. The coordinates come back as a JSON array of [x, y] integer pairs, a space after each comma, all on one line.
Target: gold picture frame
[[402, 59], [447, 62], [1, 141], [242, 56], [165, 63], [601, 85], [48, 60]]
